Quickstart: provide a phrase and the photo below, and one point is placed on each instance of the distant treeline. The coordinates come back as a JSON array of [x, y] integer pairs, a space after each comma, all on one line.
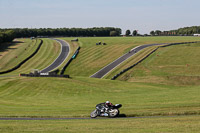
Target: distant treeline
[[186, 31], [9, 34]]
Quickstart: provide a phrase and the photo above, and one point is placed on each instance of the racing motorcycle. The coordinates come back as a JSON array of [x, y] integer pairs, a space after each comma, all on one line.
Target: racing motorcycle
[[101, 110]]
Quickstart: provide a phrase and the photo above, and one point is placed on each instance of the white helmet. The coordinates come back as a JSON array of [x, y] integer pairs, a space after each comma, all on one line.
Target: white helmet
[[107, 102]]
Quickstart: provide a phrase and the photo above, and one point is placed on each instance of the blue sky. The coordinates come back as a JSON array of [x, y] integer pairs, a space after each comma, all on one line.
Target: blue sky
[[142, 15]]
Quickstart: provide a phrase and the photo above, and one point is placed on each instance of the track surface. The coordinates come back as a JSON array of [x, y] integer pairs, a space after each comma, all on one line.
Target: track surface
[[90, 118], [63, 55], [101, 73]]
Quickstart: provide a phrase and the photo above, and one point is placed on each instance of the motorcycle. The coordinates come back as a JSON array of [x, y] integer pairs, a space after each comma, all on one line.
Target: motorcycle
[[101, 110]]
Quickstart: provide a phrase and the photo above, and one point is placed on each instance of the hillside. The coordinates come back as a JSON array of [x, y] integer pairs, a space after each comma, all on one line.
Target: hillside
[[15, 54], [178, 65], [77, 97], [93, 57], [164, 86]]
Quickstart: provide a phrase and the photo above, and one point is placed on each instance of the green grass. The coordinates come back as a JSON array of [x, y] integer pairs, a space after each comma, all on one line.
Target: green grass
[[147, 93], [48, 52], [76, 97], [178, 65], [59, 97], [133, 60], [92, 58], [183, 124], [16, 53]]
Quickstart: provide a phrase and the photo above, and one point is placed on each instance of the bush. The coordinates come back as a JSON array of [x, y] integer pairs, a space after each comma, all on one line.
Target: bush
[[113, 33]]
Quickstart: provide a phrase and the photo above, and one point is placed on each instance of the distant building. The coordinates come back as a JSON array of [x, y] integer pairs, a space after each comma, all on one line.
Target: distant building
[[197, 35]]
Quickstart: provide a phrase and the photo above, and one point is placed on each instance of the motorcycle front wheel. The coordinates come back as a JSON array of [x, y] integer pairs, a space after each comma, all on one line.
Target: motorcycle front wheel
[[94, 114]]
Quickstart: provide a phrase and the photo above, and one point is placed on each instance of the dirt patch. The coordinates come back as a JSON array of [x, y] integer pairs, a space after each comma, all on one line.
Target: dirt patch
[[184, 80], [75, 44]]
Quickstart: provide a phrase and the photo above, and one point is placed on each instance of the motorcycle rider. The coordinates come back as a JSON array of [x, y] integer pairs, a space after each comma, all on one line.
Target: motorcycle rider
[[108, 105]]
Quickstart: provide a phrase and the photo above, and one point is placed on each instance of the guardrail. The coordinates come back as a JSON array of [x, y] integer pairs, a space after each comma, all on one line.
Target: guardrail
[[70, 60], [128, 68], [25, 60]]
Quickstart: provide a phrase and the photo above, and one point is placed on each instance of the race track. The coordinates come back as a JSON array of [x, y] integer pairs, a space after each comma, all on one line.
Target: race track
[[101, 73], [87, 118], [63, 55]]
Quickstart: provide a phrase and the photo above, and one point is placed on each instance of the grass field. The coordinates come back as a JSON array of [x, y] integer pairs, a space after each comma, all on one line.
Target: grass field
[[177, 65], [48, 52], [77, 97], [154, 88], [187, 124], [16, 52], [139, 98], [92, 58]]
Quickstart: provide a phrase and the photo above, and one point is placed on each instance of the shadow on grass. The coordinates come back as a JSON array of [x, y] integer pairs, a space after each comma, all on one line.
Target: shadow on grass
[[121, 116], [5, 46]]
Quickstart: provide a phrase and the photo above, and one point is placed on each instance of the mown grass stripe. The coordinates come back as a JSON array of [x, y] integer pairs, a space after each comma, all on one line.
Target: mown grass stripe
[[24, 60], [44, 57]]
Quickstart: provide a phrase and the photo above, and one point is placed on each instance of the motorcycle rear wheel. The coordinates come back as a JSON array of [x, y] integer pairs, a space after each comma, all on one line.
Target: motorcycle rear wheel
[[113, 113]]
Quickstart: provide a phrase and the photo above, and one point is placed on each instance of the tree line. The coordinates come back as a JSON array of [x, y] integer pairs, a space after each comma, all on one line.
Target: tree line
[[186, 31], [9, 34]]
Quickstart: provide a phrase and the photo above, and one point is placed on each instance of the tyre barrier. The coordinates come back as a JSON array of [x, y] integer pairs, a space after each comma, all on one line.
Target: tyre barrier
[[38, 75], [126, 69], [70, 60], [25, 60]]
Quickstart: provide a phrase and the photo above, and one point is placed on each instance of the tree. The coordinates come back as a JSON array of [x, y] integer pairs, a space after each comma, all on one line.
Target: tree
[[135, 33], [119, 31], [128, 32], [152, 33], [158, 32], [1, 38], [113, 33]]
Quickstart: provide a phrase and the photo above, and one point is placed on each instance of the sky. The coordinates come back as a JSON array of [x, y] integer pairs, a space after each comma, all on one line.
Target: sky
[[141, 15]]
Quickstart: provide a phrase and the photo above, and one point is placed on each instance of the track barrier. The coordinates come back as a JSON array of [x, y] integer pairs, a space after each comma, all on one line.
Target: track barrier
[[70, 60], [44, 75]]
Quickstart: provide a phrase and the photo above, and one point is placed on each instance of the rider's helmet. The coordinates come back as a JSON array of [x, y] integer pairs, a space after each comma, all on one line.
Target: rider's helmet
[[107, 102]]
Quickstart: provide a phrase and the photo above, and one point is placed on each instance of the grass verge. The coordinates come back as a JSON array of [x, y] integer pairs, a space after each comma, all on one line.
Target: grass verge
[[183, 124]]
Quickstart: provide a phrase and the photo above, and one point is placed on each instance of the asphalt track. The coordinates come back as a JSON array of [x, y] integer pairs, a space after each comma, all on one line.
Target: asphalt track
[[140, 117], [63, 55], [101, 73]]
